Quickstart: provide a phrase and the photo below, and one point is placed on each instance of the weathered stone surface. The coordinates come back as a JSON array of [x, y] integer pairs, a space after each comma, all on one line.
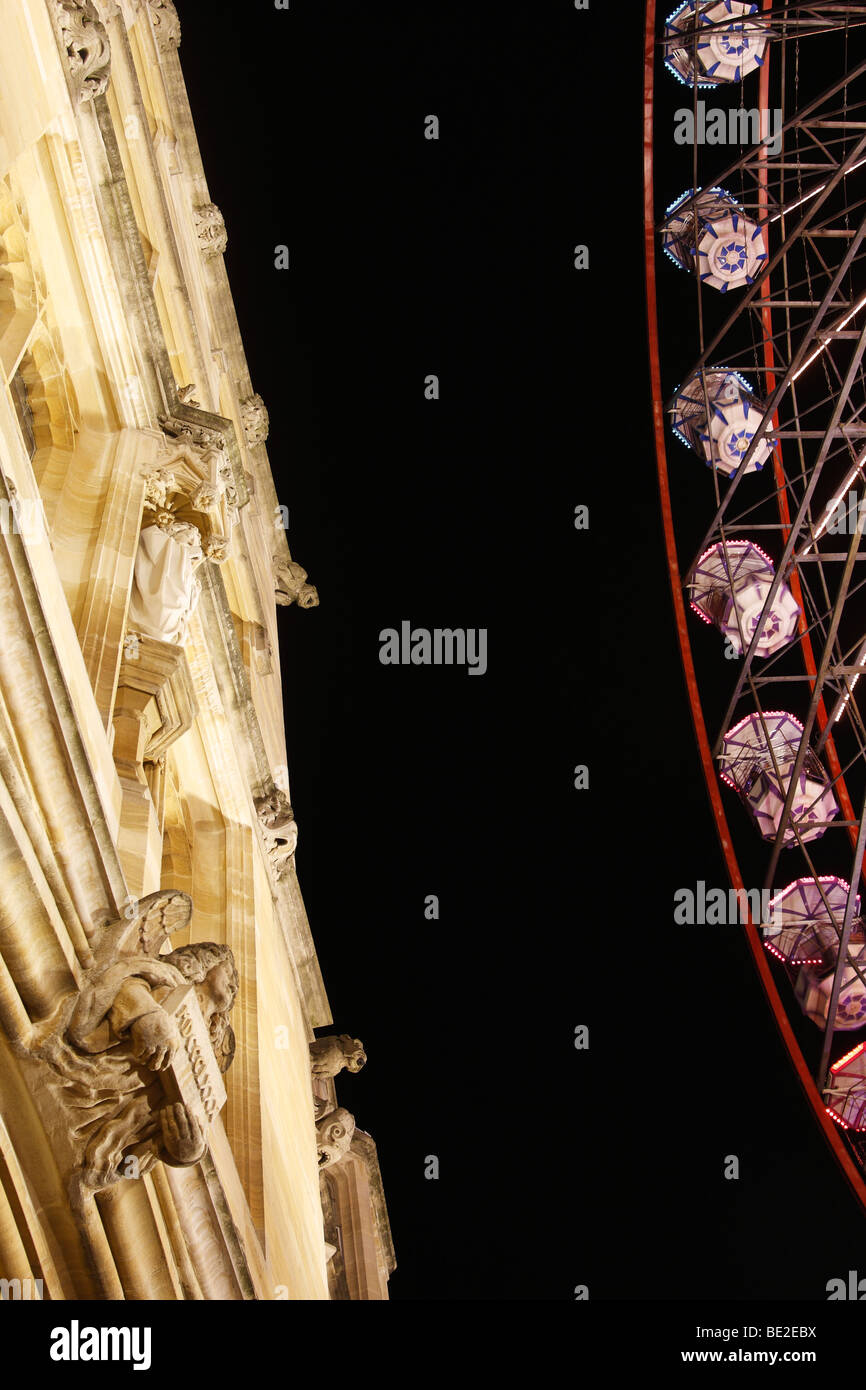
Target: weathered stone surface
[[328, 1056], [126, 760], [279, 828], [135, 1016], [291, 586], [210, 229], [166, 25], [154, 690], [164, 587], [356, 1219], [194, 488], [334, 1131], [85, 45], [254, 418]]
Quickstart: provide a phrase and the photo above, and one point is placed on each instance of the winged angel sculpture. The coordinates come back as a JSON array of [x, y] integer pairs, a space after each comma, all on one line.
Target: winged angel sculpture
[[128, 1052]]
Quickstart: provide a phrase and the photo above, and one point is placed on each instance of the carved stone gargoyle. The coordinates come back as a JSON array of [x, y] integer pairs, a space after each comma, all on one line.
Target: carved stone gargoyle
[[334, 1136], [290, 585], [328, 1056], [136, 1055], [279, 828]]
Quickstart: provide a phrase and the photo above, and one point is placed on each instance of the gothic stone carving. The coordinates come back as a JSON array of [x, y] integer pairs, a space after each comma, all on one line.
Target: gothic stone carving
[[136, 1054], [328, 1056], [334, 1132], [210, 230], [165, 590], [254, 418], [195, 485], [187, 433], [84, 41], [291, 585], [166, 25], [279, 828]]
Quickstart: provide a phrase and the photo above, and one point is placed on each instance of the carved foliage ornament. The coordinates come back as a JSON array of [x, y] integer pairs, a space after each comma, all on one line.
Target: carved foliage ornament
[[166, 25], [195, 486], [85, 43], [254, 418], [210, 230], [136, 1054]]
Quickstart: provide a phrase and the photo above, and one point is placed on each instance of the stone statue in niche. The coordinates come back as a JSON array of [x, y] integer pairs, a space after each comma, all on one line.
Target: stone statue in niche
[[328, 1056], [279, 827], [334, 1136], [291, 586], [165, 590], [135, 1061]]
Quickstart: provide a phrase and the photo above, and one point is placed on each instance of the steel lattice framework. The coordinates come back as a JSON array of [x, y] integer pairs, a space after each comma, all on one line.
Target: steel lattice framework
[[794, 330]]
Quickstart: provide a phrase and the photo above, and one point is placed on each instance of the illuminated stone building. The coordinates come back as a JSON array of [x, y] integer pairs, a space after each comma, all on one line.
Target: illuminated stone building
[[164, 1131]]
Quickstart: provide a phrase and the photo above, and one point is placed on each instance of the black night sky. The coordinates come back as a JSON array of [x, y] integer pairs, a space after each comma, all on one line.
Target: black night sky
[[558, 1167]]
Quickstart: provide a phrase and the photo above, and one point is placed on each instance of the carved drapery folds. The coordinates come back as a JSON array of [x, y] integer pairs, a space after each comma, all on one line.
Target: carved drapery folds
[[190, 508], [279, 829], [135, 1057], [328, 1056], [84, 42], [166, 25], [165, 590], [210, 230], [254, 418], [290, 585]]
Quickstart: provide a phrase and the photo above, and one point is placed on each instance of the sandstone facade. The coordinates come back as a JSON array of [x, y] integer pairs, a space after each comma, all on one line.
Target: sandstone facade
[[164, 1133]]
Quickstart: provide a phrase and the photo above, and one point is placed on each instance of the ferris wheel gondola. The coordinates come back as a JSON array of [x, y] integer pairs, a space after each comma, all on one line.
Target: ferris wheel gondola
[[773, 236]]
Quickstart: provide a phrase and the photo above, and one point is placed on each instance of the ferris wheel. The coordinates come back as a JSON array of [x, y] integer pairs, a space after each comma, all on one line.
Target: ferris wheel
[[755, 201]]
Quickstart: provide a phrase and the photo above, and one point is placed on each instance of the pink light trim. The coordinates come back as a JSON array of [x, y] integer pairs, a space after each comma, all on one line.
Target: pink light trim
[[837, 1118], [768, 714], [732, 545], [849, 1056]]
